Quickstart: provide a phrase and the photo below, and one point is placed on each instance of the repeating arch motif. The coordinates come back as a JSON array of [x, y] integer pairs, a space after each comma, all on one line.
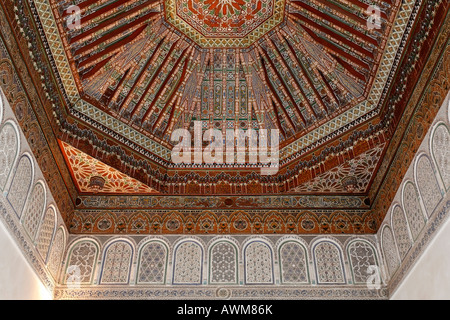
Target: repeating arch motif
[[56, 253], [21, 184], [46, 233], [440, 149], [223, 263], [427, 184], [401, 231], [390, 251], [117, 263], [293, 263], [413, 210], [258, 262], [448, 111], [1, 106], [81, 262], [35, 207], [362, 258], [152, 266], [188, 263], [9, 149], [329, 263]]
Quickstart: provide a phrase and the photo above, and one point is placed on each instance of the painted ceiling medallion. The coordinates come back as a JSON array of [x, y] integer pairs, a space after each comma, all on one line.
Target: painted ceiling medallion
[[225, 23], [96, 183]]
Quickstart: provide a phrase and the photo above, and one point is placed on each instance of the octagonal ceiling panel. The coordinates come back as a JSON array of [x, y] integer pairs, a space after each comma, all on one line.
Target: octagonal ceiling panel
[[224, 23]]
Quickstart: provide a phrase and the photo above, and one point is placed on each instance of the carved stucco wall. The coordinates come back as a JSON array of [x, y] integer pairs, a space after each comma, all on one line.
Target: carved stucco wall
[[416, 225], [32, 233]]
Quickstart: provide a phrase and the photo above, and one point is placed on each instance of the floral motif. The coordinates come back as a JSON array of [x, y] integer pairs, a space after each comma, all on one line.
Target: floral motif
[[188, 264], [84, 167], [258, 263], [56, 253], [152, 264], [360, 169], [223, 263], [428, 185], [362, 257], [441, 152], [413, 210], [328, 260], [20, 185], [390, 251], [83, 258], [224, 7], [116, 267], [401, 232], [294, 267], [8, 149], [44, 239], [225, 19], [34, 210]]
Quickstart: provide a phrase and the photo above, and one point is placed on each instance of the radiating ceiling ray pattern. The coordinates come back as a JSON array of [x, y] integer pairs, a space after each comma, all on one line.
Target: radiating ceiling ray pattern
[[131, 63]]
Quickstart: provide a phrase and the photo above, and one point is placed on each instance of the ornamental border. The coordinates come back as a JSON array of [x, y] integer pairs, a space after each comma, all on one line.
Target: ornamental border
[[170, 11]]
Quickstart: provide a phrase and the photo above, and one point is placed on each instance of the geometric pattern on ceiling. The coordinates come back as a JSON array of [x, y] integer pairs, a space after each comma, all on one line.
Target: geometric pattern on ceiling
[[224, 23], [352, 176], [84, 168]]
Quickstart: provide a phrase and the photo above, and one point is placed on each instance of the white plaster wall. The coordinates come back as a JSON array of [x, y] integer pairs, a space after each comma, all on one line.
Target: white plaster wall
[[429, 279], [18, 281]]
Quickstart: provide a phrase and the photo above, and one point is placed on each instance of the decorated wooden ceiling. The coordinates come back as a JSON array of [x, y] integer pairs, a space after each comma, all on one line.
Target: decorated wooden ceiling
[[157, 66], [306, 68], [93, 176], [333, 76]]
